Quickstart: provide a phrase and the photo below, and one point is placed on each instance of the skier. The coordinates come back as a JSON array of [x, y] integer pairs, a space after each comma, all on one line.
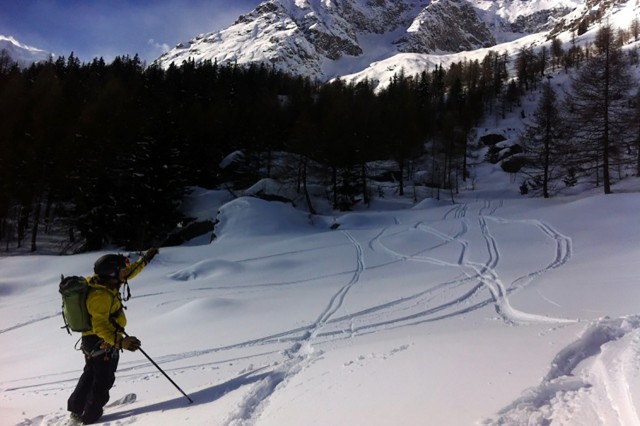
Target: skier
[[101, 344]]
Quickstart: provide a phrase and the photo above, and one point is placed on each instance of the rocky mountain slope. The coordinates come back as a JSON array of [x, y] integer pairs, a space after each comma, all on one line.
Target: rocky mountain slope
[[324, 39], [22, 54]]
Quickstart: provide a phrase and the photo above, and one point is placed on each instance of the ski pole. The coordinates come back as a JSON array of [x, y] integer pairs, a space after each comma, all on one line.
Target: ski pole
[[162, 371]]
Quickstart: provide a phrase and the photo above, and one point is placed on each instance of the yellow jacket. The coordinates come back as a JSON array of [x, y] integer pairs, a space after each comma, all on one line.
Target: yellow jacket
[[104, 304]]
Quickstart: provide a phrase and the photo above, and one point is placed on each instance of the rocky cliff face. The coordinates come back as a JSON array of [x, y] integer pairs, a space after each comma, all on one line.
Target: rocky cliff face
[[446, 26], [580, 18], [312, 38]]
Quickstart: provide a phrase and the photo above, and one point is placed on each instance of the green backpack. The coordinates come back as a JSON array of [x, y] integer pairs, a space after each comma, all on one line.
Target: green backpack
[[74, 290]]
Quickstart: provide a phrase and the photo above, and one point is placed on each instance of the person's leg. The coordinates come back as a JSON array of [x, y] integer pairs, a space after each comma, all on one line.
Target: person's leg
[[78, 398], [103, 379]]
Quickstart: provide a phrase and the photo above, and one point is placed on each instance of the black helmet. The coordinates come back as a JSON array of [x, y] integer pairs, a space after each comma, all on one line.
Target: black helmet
[[109, 265]]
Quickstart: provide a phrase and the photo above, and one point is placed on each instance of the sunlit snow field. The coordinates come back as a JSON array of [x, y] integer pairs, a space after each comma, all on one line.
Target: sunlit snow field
[[497, 309]]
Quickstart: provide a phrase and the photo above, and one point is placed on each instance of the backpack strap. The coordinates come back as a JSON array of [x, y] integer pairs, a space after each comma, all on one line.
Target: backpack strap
[[66, 323], [112, 317]]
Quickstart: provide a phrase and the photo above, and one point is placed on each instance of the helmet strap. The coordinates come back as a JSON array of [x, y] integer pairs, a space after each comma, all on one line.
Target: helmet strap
[[128, 295]]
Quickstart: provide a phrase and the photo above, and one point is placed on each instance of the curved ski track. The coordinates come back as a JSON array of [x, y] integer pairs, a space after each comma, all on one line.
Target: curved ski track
[[477, 276], [474, 279], [477, 285]]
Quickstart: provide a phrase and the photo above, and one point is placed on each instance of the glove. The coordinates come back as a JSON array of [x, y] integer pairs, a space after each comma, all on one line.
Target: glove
[[150, 254], [129, 343]]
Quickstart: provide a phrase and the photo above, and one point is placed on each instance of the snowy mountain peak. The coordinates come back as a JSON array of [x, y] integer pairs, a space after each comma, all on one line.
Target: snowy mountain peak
[[324, 39], [21, 53]]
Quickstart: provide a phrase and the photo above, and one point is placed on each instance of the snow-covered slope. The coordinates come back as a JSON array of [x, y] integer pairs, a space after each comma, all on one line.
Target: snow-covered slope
[[22, 54], [496, 310], [324, 39], [380, 72]]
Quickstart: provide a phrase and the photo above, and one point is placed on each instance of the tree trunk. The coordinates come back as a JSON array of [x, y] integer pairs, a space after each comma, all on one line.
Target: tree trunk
[[34, 229], [363, 176], [401, 188], [638, 159], [23, 222], [334, 182], [47, 213], [306, 191]]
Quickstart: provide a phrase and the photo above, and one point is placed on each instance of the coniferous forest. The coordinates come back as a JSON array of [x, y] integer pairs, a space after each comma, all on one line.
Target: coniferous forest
[[110, 150]]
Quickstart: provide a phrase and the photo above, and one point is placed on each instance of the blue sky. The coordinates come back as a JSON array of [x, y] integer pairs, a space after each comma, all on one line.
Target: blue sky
[[108, 28]]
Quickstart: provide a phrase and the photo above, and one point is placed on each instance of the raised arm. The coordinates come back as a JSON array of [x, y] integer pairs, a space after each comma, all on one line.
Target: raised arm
[[136, 267]]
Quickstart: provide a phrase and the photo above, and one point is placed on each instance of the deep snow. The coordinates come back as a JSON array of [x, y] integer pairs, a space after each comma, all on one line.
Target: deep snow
[[495, 310]]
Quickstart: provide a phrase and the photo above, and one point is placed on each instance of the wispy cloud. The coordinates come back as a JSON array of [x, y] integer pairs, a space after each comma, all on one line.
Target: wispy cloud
[[162, 47]]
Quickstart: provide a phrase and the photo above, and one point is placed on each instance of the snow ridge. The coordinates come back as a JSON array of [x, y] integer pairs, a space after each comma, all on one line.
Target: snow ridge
[[594, 375]]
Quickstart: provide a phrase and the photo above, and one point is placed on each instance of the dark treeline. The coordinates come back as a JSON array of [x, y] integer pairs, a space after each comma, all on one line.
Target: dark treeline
[[107, 152]]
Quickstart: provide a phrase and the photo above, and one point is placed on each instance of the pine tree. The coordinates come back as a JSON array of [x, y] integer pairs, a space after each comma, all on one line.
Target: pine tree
[[556, 52], [541, 143], [599, 103]]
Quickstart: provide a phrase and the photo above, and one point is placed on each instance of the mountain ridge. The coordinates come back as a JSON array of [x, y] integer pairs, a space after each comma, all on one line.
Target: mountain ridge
[[21, 53], [328, 39]]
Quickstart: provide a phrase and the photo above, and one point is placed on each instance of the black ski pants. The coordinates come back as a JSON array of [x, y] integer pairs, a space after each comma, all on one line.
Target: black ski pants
[[92, 391]]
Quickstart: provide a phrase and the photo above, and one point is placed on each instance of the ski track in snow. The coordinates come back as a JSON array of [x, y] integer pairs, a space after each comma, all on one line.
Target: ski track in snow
[[299, 355], [26, 323], [482, 276], [610, 344], [478, 276]]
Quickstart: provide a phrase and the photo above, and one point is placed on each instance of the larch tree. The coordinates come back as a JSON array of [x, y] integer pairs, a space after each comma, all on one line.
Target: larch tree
[[599, 104], [542, 144]]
